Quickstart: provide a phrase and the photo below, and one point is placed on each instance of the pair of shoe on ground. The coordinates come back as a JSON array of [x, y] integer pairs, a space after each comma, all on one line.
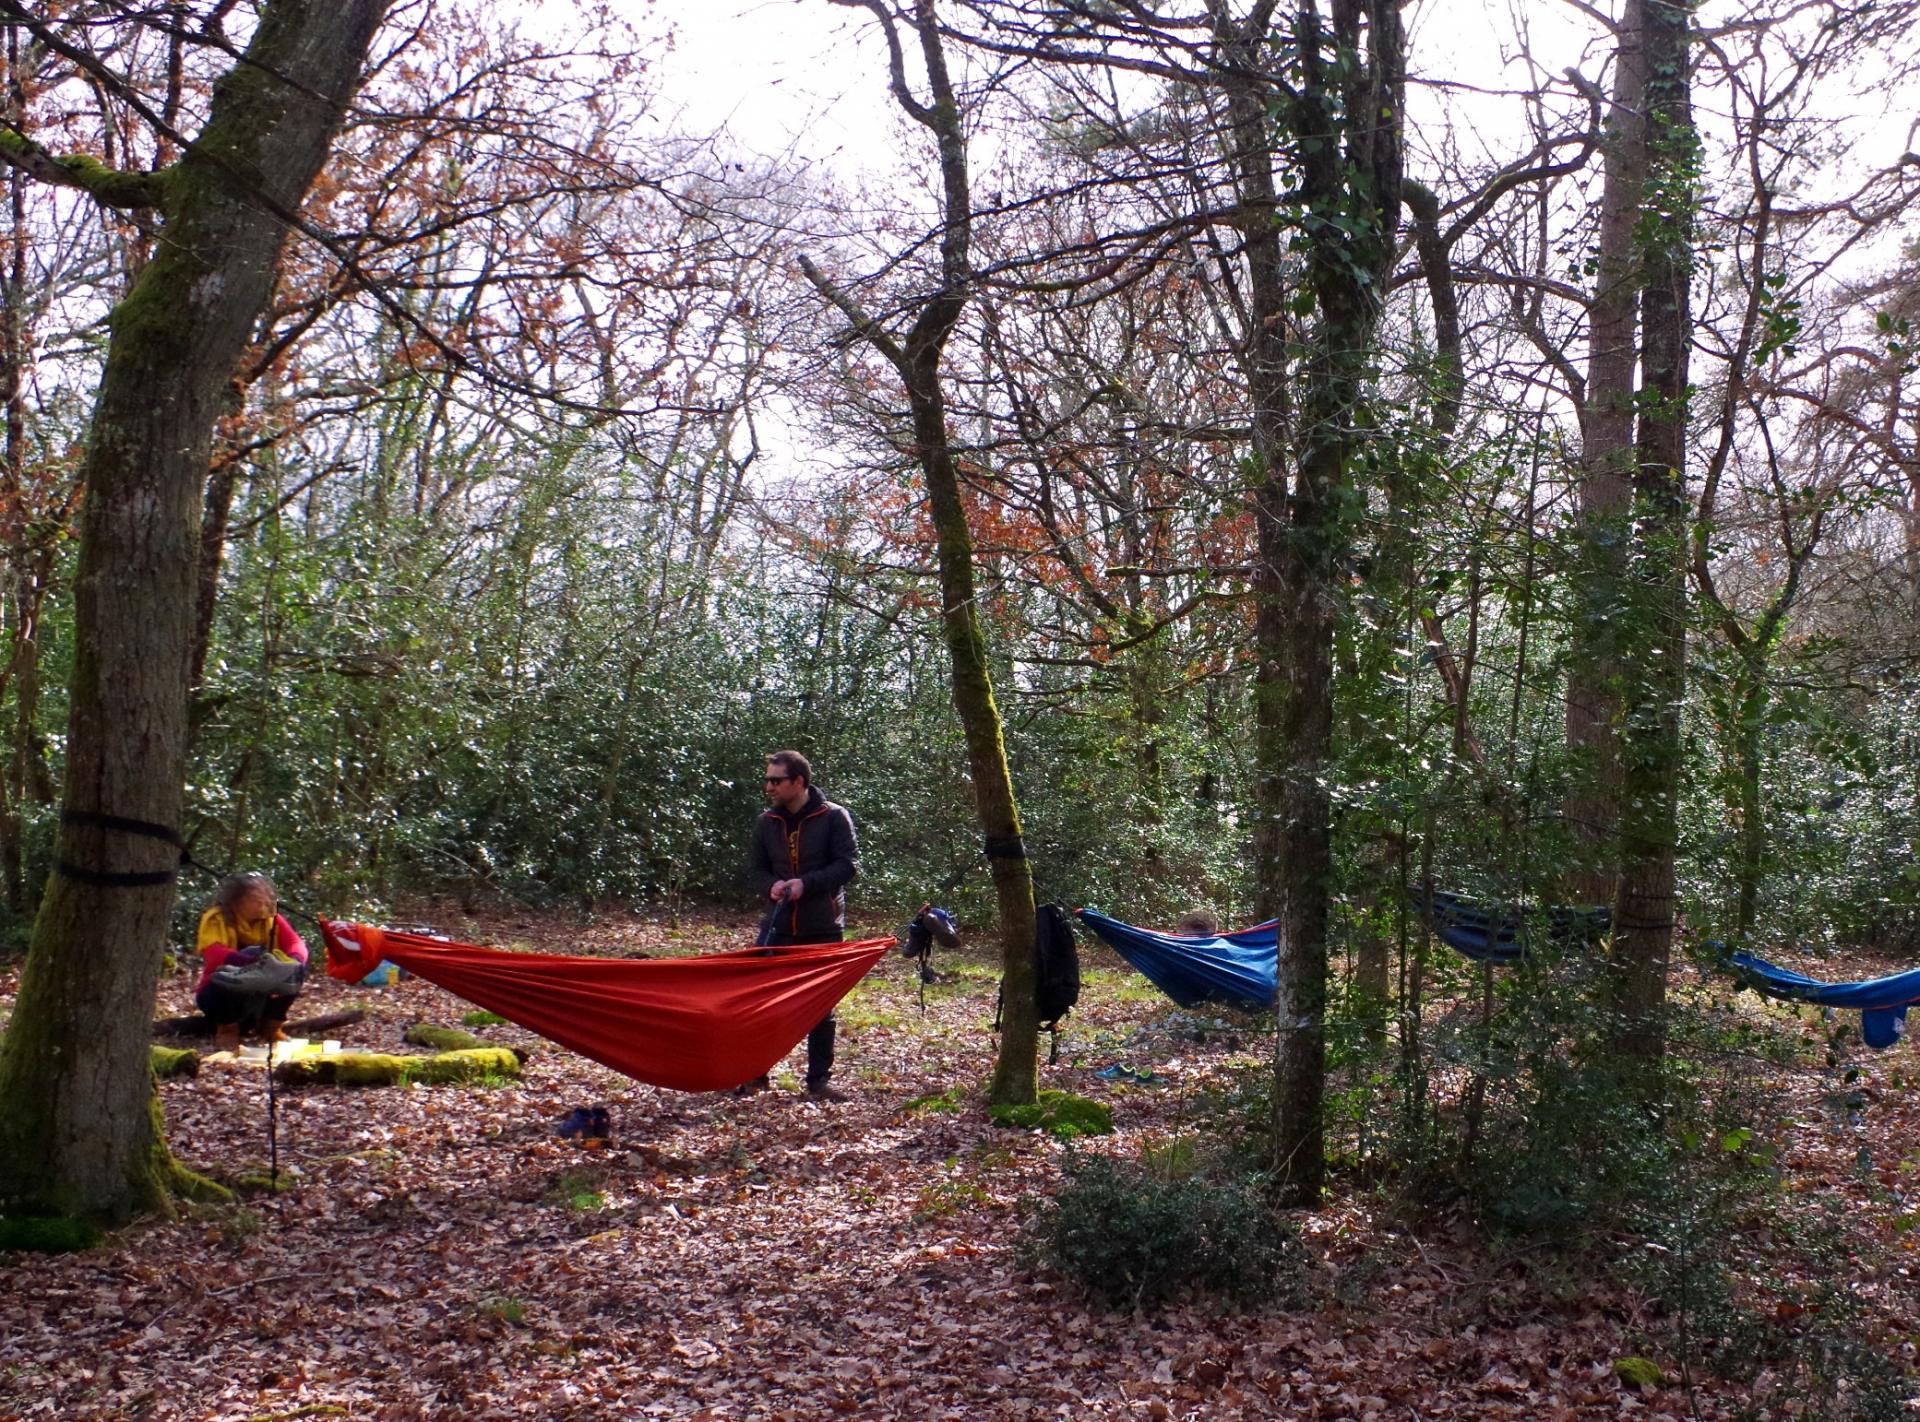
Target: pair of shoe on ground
[[816, 1091]]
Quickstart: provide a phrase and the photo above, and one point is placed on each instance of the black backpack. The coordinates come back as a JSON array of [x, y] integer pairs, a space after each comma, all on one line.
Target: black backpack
[[1056, 960], [1056, 970]]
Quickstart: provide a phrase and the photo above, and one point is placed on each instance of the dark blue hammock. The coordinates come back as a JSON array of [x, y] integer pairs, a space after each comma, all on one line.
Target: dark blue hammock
[[1882, 1001], [1233, 968], [1496, 936]]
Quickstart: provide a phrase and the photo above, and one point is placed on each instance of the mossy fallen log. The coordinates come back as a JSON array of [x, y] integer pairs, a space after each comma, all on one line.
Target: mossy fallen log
[[442, 1039], [170, 1062], [383, 1069]]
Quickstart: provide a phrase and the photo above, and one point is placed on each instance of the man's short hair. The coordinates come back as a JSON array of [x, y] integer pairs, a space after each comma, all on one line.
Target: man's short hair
[[793, 763]]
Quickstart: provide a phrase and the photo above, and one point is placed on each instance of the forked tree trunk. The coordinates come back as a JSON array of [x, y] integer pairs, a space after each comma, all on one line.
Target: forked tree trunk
[[79, 1129]]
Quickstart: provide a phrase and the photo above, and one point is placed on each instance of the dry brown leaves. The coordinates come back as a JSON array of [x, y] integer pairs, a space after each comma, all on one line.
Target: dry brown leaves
[[442, 1255]]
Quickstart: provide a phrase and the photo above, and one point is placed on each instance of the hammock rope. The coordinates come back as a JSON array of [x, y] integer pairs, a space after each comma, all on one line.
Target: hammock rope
[[688, 1024]]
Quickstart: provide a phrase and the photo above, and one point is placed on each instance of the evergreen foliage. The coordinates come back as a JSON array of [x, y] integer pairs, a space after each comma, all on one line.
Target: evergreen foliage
[[1135, 1237]]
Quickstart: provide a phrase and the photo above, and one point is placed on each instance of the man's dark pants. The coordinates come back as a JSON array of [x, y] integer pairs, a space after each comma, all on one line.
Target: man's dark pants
[[820, 1039]]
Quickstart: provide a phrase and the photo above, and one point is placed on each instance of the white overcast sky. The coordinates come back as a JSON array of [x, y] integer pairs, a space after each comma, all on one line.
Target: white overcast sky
[[777, 72]]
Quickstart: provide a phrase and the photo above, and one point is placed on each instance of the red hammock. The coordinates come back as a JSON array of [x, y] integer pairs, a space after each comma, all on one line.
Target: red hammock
[[692, 1024]]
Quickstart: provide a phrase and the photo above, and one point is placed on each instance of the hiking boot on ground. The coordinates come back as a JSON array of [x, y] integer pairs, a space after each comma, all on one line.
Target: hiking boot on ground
[[821, 1091], [752, 1088]]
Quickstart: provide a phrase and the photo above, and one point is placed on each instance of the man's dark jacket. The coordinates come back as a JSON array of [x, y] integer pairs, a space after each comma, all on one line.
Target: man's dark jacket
[[817, 847]]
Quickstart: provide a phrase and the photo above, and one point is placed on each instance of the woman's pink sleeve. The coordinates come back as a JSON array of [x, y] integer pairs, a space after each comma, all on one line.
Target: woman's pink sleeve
[[290, 942]]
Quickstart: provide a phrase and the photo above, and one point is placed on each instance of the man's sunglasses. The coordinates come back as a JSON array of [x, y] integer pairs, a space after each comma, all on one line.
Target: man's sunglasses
[[778, 779]]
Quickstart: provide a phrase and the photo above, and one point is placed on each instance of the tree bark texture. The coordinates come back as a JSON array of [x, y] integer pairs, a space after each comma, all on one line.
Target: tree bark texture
[[1597, 671], [1341, 119], [917, 360], [1656, 589], [78, 1132]]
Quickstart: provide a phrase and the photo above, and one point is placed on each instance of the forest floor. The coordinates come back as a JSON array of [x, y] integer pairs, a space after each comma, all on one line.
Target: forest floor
[[441, 1254]]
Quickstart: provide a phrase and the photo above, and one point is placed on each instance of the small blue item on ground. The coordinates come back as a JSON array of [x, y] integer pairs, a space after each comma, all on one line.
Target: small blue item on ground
[[585, 1123]]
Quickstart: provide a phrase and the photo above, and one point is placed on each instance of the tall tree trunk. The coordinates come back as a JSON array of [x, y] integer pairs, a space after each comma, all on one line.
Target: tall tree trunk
[[1342, 117], [1597, 671], [79, 1131], [917, 360], [1656, 684], [21, 583]]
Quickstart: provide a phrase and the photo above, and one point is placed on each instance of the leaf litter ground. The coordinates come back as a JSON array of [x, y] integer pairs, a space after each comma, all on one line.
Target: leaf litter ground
[[440, 1253]]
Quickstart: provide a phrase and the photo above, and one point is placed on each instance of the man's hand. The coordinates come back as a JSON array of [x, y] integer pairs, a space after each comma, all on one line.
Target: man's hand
[[786, 890]]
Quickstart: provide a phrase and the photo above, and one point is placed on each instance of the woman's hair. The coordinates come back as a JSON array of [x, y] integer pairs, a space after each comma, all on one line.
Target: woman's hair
[[236, 887], [1198, 922]]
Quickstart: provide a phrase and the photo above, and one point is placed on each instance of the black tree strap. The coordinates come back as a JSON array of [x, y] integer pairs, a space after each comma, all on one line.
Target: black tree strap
[[1009, 846], [96, 820], [114, 879]]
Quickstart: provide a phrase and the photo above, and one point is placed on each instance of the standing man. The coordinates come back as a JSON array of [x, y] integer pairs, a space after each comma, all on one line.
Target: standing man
[[803, 857]]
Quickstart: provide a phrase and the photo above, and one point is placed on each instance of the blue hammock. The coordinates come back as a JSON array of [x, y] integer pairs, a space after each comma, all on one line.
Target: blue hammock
[[1882, 1001], [1490, 936], [1233, 968]]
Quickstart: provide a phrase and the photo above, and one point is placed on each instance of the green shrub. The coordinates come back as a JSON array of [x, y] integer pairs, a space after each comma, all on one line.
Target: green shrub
[[1789, 1328], [1135, 1238]]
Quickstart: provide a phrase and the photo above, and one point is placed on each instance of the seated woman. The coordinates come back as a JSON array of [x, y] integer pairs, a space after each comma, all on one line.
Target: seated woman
[[242, 926]]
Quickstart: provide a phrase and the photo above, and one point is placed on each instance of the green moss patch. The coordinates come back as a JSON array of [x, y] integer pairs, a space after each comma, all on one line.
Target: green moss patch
[[52, 1234], [1059, 1113], [441, 1039]]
